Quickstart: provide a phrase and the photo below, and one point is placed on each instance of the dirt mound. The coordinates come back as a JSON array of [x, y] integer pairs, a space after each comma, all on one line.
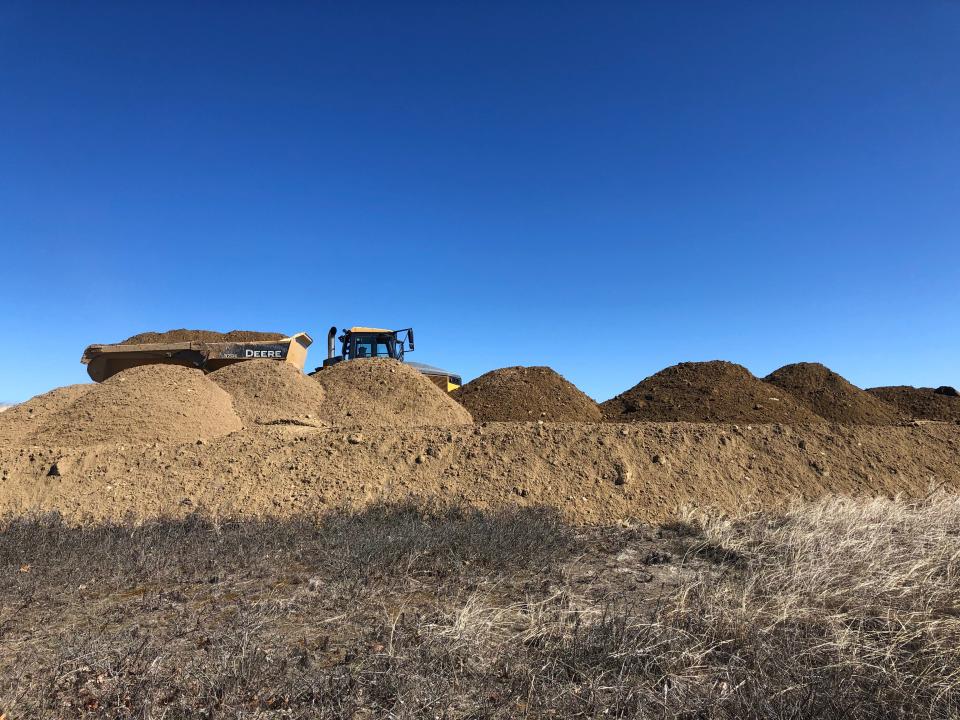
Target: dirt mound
[[920, 403], [20, 421], [267, 391], [832, 396], [385, 392], [184, 335], [150, 403], [526, 393], [595, 473], [714, 391]]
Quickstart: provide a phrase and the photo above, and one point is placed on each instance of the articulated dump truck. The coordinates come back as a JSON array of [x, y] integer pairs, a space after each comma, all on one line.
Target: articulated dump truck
[[102, 361]]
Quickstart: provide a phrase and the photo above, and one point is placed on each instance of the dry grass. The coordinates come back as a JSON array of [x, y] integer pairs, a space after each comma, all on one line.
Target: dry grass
[[835, 609]]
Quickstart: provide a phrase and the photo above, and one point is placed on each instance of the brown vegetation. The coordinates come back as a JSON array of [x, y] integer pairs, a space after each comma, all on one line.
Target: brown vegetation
[[833, 609]]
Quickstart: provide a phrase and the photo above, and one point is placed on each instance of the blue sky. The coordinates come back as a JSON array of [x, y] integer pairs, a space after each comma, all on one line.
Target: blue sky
[[605, 188]]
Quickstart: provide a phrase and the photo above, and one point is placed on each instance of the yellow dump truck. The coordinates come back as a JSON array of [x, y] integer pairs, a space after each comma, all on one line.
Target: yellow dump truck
[[102, 361]]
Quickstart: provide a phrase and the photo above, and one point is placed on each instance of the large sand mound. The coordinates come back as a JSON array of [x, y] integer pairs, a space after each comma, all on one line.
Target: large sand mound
[[832, 396], [385, 392], [596, 473], [21, 421], [920, 403], [184, 335], [715, 391], [524, 394], [268, 391], [149, 404]]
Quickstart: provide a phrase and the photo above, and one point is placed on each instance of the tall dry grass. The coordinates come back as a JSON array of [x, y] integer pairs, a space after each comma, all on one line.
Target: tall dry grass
[[843, 608], [835, 609]]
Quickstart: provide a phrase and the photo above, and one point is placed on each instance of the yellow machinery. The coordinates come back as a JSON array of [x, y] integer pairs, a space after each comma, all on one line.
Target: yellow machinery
[[368, 342], [102, 361]]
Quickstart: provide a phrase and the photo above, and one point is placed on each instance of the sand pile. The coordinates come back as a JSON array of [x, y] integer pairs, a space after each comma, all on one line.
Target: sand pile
[[596, 473], [267, 391], [921, 403], [150, 404], [831, 396], [184, 335], [387, 393], [524, 394], [715, 391], [21, 421]]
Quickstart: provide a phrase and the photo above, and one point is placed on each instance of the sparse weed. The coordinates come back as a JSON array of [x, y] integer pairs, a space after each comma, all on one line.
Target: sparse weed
[[842, 608]]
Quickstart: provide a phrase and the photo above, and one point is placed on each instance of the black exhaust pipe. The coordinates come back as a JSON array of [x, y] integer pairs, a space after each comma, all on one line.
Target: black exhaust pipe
[[332, 342]]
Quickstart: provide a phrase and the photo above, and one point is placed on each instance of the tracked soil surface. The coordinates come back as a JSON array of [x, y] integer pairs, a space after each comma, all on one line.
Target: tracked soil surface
[[381, 392], [526, 393], [920, 403], [714, 391], [832, 396], [267, 392], [593, 473], [184, 335], [146, 404], [21, 421]]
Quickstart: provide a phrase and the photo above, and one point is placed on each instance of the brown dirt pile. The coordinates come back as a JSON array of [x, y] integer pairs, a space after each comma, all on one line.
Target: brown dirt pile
[[595, 473], [146, 404], [714, 391], [833, 397], [920, 403], [382, 392], [21, 421], [267, 391], [184, 335], [526, 393]]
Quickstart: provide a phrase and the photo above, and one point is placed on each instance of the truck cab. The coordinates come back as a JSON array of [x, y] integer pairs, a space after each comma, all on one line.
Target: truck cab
[[366, 342], [357, 343]]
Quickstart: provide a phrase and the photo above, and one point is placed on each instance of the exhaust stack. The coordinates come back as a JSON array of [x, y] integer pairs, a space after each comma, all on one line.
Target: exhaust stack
[[332, 342]]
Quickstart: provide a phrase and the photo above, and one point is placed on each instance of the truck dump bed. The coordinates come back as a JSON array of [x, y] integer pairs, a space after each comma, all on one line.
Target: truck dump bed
[[102, 361]]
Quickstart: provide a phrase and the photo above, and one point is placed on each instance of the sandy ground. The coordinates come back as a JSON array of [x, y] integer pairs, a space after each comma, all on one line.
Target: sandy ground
[[598, 473]]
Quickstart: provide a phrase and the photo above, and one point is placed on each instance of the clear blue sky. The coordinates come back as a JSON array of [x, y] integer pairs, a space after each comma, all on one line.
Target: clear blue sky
[[607, 188]]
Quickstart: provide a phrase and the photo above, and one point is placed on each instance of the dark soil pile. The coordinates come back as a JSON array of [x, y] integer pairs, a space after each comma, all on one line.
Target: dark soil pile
[[21, 421], [145, 404], [524, 394], [269, 392], [184, 335], [832, 396], [385, 392], [714, 391], [920, 403]]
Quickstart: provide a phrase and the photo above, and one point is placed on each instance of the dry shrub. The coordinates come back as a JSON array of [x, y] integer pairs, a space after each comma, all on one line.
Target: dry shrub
[[840, 609]]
